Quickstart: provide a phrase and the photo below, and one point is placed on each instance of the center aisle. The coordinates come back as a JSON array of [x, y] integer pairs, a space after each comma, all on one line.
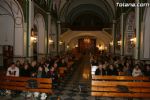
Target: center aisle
[[78, 83]]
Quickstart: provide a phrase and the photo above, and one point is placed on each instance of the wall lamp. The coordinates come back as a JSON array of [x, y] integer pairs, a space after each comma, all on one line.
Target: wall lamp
[[51, 41], [133, 41], [33, 36], [111, 43], [119, 42]]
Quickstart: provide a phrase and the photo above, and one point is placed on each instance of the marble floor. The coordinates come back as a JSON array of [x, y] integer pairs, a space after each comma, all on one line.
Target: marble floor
[[75, 86]]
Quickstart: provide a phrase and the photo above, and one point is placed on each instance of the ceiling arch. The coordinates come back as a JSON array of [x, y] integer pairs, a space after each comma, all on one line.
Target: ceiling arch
[[74, 41], [71, 9], [108, 6], [101, 36], [84, 8]]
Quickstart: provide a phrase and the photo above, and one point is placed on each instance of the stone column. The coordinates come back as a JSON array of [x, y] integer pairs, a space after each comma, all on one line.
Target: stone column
[[49, 32], [58, 36], [114, 36], [29, 27], [54, 35], [137, 46], [122, 34]]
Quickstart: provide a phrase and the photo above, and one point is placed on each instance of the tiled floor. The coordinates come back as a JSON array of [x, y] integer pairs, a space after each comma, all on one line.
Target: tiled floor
[[70, 88]]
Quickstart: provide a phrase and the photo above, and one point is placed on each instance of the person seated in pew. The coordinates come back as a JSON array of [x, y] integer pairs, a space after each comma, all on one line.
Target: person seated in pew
[[41, 74], [54, 76], [18, 64], [13, 71], [137, 71], [33, 68], [63, 63], [112, 70], [127, 69], [147, 70], [25, 71], [100, 70], [50, 61], [105, 69], [46, 66]]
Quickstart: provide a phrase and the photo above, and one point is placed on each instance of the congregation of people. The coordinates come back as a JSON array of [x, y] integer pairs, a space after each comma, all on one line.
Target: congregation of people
[[108, 64], [44, 68]]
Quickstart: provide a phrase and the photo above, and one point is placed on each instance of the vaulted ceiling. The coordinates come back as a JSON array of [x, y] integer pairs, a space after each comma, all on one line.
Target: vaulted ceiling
[[88, 12]]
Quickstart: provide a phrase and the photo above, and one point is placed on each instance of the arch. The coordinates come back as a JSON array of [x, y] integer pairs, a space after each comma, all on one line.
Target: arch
[[101, 36], [106, 6], [6, 34], [12, 26], [39, 22], [87, 8], [74, 41]]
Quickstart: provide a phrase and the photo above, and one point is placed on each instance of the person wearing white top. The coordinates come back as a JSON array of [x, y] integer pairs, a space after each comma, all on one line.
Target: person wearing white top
[[137, 71], [13, 71]]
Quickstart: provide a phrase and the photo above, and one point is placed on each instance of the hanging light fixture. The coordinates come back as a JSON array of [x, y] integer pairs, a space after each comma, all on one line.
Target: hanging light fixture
[[86, 40], [76, 45]]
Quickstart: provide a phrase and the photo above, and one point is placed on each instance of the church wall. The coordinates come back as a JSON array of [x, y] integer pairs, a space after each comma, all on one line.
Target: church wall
[[145, 36]]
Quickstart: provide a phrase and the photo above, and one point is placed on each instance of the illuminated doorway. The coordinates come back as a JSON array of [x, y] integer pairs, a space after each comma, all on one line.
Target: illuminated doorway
[[87, 45]]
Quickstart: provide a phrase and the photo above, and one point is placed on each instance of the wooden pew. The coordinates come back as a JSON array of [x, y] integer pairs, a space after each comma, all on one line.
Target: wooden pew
[[109, 86], [2, 73], [120, 78], [44, 85]]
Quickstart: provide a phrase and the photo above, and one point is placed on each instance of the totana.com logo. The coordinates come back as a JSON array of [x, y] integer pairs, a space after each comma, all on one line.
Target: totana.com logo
[[132, 4]]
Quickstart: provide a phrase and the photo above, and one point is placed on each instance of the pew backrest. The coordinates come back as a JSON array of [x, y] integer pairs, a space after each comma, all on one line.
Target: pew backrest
[[120, 86], [44, 85]]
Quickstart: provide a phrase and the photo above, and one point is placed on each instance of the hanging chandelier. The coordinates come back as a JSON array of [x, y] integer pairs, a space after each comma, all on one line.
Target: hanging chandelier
[[86, 40]]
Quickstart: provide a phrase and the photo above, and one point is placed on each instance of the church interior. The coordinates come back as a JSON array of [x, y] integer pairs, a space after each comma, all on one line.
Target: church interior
[[74, 49]]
